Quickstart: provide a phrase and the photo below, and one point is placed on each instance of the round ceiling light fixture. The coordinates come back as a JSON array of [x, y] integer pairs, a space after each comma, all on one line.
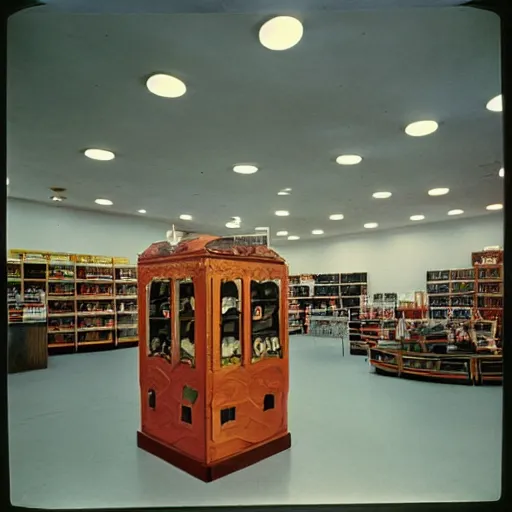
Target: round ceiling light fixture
[[141, 211], [371, 225], [260, 229], [438, 191], [493, 207], [349, 159], [7, 181], [317, 232], [57, 199], [417, 217], [496, 104], [99, 154], [337, 216], [245, 169], [281, 33], [293, 237], [282, 233], [421, 128], [284, 192], [457, 211], [234, 223], [166, 86], [501, 172], [104, 202], [282, 213], [382, 195], [185, 216]]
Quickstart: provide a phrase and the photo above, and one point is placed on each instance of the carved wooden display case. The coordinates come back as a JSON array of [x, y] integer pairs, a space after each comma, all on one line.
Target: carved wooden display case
[[213, 354]]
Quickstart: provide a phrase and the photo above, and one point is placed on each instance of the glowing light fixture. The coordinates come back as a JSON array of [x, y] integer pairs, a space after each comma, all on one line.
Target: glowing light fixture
[[438, 191], [382, 195], [185, 216], [166, 86], [284, 192], [260, 229], [496, 104], [282, 233], [317, 232], [57, 199], [104, 202], [141, 211], [456, 212], [417, 217], [371, 225], [7, 181], [501, 173], [421, 128], [281, 33], [282, 213], [337, 216], [293, 237], [349, 159], [99, 154], [493, 207], [245, 169]]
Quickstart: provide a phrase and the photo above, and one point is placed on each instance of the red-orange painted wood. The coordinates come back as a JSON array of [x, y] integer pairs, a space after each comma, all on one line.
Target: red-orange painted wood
[[243, 386]]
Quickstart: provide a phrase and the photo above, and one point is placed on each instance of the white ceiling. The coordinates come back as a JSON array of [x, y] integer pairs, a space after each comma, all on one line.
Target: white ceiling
[[350, 86]]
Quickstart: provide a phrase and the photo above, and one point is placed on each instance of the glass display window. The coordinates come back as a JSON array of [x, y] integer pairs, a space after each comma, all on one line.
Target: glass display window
[[231, 322], [186, 317], [265, 332], [159, 319]]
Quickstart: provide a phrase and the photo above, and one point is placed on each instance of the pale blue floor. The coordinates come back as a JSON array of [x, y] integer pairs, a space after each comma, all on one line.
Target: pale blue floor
[[357, 438]]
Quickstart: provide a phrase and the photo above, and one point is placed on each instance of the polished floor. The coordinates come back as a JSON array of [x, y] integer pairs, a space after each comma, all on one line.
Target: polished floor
[[357, 438]]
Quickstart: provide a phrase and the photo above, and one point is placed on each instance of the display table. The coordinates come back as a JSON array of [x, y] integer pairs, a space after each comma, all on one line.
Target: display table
[[27, 347], [462, 367]]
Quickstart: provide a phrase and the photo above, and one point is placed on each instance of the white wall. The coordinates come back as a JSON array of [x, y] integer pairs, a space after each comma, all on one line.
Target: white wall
[[397, 260], [37, 226]]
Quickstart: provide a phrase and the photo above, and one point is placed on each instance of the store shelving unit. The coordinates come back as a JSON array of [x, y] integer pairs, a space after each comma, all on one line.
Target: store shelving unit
[[354, 293], [451, 293], [91, 300], [488, 297]]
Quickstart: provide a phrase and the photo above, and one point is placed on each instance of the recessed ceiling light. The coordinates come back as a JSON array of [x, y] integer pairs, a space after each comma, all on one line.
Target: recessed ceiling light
[[501, 173], [293, 237], [287, 189], [282, 213], [281, 33], [99, 154], [438, 191], [233, 224], [185, 216], [317, 232], [337, 216], [282, 233], [497, 206], [141, 211], [245, 169], [57, 199], [382, 195], [166, 86], [496, 104], [349, 159], [456, 212], [7, 181], [104, 202], [421, 128], [260, 229], [283, 193], [417, 217], [371, 225]]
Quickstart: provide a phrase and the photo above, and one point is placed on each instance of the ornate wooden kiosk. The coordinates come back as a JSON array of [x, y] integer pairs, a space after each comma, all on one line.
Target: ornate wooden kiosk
[[213, 354]]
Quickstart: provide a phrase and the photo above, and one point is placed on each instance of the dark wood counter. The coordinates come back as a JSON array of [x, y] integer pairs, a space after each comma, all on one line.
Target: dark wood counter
[[27, 347]]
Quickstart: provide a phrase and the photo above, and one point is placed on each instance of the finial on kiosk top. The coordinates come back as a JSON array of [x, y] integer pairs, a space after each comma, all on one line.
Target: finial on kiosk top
[[172, 238]]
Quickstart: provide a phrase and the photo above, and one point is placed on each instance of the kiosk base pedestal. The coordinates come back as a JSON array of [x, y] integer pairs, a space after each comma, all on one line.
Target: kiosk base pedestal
[[210, 472]]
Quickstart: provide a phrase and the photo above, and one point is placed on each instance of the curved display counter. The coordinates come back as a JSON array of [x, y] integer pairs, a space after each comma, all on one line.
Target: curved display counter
[[464, 367]]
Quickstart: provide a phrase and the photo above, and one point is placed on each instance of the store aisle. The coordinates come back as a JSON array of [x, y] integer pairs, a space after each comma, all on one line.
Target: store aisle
[[356, 438]]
